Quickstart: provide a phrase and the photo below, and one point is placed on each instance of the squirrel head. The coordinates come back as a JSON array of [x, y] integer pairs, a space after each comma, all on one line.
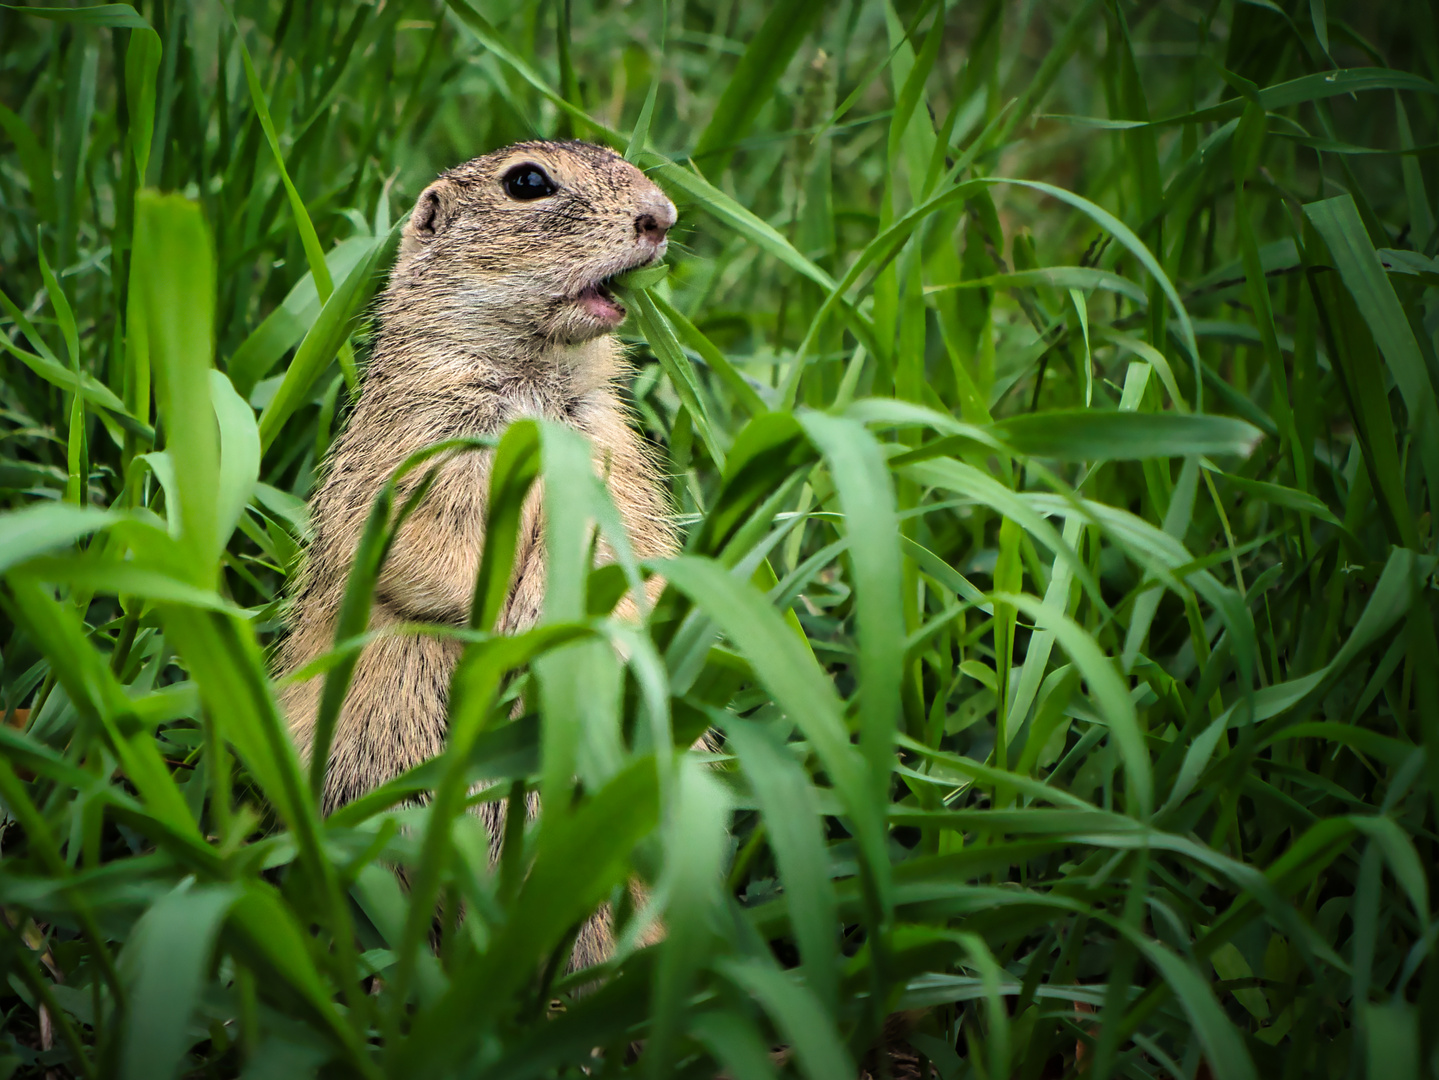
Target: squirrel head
[[522, 242]]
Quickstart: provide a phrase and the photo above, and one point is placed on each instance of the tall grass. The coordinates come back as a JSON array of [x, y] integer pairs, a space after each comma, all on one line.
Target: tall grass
[[1049, 390]]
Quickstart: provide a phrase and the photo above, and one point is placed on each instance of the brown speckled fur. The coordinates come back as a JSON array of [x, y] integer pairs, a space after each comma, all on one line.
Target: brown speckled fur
[[479, 326]]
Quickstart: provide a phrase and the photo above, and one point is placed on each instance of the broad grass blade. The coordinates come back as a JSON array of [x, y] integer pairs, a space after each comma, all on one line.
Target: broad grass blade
[[164, 965]]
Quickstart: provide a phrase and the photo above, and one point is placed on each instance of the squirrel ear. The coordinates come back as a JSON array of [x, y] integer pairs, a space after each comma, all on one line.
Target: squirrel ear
[[432, 213], [427, 213]]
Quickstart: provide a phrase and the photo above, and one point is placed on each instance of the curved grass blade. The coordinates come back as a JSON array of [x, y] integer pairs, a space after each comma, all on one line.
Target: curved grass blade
[[164, 964], [678, 367], [1337, 221], [96, 692], [695, 839], [239, 456], [798, 685], [580, 857], [797, 838], [381, 528], [323, 340], [1222, 1043], [288, 324], [787, 23], [1109, 691], [860, 476], [799, 1017], [514, 469], [36, 162], [314, 254], [1088, 435], [262, 930], [115, 16], [42, 527], [95, 393], [690, 334], [1306, 88], [1058, 277], [733, 1042]]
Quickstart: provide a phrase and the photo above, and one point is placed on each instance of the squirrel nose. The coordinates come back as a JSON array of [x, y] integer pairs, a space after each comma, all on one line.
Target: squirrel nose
[[648, 227], [654, 221]]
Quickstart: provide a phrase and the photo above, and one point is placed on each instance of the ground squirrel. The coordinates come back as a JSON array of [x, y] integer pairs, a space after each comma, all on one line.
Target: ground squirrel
[[497, 309]]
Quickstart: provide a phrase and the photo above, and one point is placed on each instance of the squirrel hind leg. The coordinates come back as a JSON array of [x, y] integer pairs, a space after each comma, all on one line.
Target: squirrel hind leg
[[595, 942], [393, 718]]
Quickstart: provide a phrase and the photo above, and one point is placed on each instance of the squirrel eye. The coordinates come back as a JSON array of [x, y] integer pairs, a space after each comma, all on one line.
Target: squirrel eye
[[525, 182]]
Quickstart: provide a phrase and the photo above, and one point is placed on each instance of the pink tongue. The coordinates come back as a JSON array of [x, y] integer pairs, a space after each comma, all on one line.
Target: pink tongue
[[600, 308]]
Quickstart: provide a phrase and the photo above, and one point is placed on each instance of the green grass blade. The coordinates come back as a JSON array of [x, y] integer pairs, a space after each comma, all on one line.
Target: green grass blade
[[36, 162], [787, 800], [735, 1044], [639, 136], [239, 470], [696, 836], [96, 692], [323, 340], [677, 366], [262, 930], [288, 324], [164, 964], [1109, 690], [799, 1017], [857, 469], [1337, 221], [1222, 1043], [581, 857], [691, 336], [1086, 435], [794, 679], [142, 65], [516, 464], [177, 276], [43, 527], [314, 254], [787, 23]]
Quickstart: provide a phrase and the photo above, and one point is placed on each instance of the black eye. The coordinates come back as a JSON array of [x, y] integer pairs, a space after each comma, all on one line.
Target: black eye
[[527, 182]]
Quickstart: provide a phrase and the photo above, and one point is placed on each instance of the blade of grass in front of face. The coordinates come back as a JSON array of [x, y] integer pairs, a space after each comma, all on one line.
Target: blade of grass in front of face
[[678, 368], [711, 355]]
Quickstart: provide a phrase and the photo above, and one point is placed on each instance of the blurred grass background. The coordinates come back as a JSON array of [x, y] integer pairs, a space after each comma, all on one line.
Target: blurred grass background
[[1049, 396]]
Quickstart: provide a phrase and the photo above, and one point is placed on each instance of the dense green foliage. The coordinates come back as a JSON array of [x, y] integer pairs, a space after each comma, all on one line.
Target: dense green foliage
[[1049, 390]]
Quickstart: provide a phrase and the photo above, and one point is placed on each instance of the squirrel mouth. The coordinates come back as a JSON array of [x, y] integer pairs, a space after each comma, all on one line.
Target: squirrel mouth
[[599, 303]]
